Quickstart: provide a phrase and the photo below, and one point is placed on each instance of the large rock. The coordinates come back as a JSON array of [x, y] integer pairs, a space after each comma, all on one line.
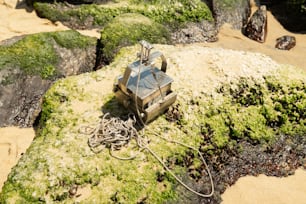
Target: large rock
[[21, 101], [224, 113], [42, 59], [186, 21], [86, 16], [234, 12], [290, 13], [128, 29]]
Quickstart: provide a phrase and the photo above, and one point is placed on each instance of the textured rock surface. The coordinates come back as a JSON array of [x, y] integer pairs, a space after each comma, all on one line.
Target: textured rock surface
[[59, 160], [285, 42], [128, 29], [196, 32], [21, 89], [189, 21], [256, 29], [234, 12], [21, 101], [75, 2], [84, 16]]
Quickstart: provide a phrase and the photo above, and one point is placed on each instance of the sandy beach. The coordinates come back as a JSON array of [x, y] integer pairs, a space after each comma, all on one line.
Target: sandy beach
[[13, 143], [262, 189], [268, 190]]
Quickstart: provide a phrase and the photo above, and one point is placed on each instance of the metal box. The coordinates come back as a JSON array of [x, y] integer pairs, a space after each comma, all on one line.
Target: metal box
[[144, 88]]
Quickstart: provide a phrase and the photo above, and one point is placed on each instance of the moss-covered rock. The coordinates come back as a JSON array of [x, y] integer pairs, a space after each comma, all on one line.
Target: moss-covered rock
[[60, 161], [256, 111], [55, 171], [128, 29], [36, 54], [28, 65], [171, 13]]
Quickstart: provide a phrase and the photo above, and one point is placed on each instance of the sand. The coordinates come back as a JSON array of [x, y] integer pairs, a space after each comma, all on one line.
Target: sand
[[13, 143], [16, 21], [268, 190], [233, 39]]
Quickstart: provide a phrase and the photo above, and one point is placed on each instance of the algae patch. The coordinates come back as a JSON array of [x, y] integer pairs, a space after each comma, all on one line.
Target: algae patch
[[171, 13], [128, 29], [254, 111], [36, 55]]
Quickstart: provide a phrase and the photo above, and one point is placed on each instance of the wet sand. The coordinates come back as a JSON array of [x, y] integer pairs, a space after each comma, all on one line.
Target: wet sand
[[262, 189]]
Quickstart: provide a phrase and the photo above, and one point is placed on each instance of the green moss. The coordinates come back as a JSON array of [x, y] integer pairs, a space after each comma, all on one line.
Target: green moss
[[57, 96], [217, 129], [175, 12], [172, 12], [72, 39], [128, 29], [287, 107], [36, 178], [7, 79], [249, 123], [50, 11], [255, 111], [35, 54]]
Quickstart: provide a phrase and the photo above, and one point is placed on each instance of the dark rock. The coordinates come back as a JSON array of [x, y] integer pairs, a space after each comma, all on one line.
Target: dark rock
[[195, 32], [21, 93], [280, 159], [291, 14], [256, 28], [235, 12], [21, 101], [285, 42]]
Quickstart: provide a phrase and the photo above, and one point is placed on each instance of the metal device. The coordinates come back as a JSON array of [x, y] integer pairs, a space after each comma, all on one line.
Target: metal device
[[144, 88]]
